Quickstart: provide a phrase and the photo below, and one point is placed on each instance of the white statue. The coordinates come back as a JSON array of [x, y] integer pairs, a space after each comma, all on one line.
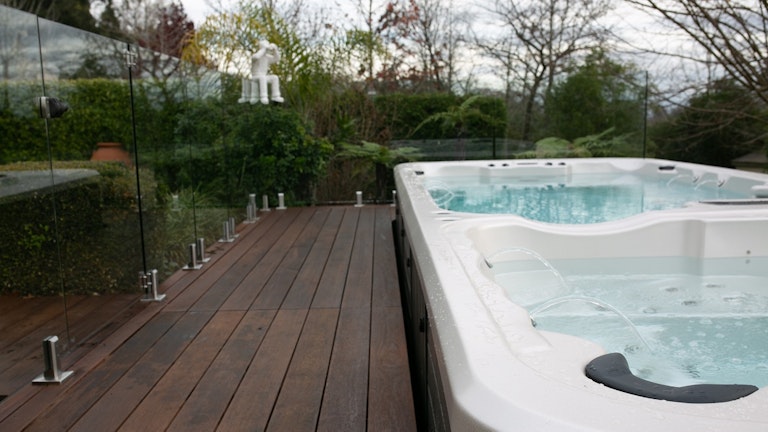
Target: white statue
[[267, 55]]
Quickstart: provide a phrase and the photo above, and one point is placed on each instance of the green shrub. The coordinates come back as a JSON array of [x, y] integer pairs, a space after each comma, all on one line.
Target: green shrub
[[243, 149], [603, 144], [406, 113], [81, 238]]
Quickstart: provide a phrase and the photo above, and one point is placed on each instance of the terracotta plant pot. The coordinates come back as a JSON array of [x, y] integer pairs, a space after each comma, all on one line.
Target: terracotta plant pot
[[111, 151]]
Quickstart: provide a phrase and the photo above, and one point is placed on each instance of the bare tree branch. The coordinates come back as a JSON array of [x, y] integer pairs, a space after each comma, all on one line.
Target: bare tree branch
[[733, 32], [538, 37]]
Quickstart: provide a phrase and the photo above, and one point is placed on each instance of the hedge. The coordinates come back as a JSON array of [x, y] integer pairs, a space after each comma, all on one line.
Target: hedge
[[91, 246]]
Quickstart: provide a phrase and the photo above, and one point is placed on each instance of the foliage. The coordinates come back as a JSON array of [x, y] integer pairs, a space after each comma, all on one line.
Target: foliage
[[95, 223], [383, 159], [169, 31], [243, 148], [277, 152], [189, 214], [162, 31], [424, 115], [457, 121], [403, 113], [725, 122], [214, 143], [379, 154], [307, 68], [608, 143], [230, 39], [99, 112], [536, 41], [418, 31], [75, 13], [27, 143], [364, 47], [603, 144], [553, 147], [599, 95]]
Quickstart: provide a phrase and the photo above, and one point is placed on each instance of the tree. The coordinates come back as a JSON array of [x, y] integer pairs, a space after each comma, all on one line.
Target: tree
[[230, 38], [76, 13], [307, 70], [457, 120], [714, 127], [732, 33], [365, 44], [167, 36], [423, 34], [536, 39], [598, 95], [13, 63], [172, 31], [395, 27], [163, 29], [108, 21], [383, 159]]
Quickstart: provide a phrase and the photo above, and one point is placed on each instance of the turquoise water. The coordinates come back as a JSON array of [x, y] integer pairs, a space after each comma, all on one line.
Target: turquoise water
[[583, 199], [679, 321]]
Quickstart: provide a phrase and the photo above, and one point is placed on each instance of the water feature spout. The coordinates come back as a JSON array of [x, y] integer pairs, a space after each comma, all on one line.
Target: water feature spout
[[532, 253], [594, 302], [444, 198], [680, 177], [718, 183]]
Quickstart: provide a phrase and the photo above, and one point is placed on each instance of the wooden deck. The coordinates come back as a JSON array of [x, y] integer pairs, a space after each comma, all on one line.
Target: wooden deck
[[296, 326], [25, 322]]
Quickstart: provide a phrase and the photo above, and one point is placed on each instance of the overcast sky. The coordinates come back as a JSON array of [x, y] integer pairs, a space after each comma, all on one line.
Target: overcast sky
[[637, 27], [640, 31], [196, 10]]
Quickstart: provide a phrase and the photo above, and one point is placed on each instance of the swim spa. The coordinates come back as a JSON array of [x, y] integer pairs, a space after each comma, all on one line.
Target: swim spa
[[515, 321]]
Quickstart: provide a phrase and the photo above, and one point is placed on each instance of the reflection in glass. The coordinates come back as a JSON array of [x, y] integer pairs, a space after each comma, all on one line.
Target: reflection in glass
[[97, 234], [31, 302], [109, 190]]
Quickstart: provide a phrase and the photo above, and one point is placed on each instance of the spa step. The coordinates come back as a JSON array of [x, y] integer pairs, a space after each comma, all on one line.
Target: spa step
[[613, 371]]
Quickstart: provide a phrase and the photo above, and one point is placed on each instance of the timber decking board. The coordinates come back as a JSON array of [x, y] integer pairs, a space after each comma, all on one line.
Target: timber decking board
[[295, 326], [208, 402], [191, 294], [298, 404], [388, 376], [330, 287], [98, 381], [244, 295], [157, 409], [305, 285], [21, 352], [357, 292], [386, 288], [258, 244], [252, 404], [345, 400], [115, 405]]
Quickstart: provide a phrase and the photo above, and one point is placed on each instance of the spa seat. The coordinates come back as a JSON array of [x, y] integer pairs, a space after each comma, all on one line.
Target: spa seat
[[613, 371]]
